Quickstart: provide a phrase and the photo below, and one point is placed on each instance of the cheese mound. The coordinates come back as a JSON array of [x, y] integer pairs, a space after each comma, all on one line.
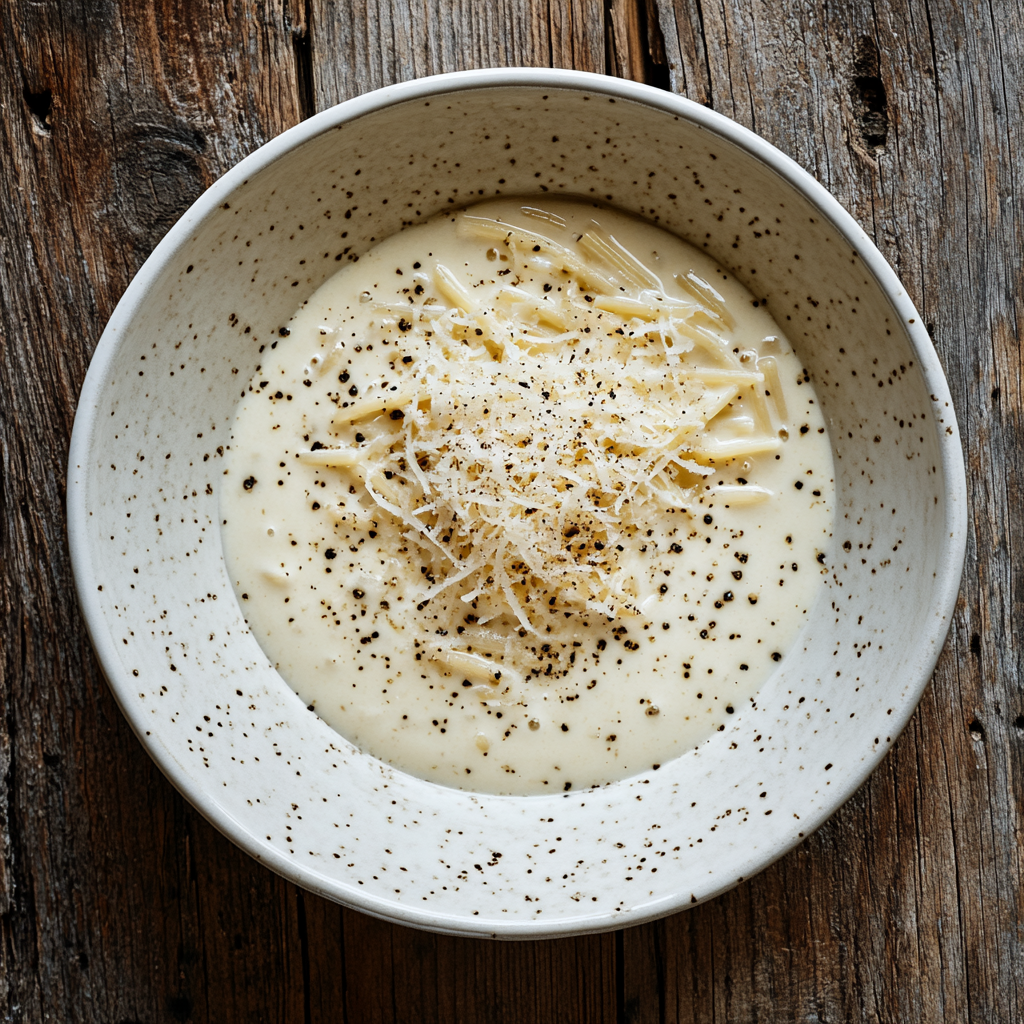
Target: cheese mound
[[525, 437]]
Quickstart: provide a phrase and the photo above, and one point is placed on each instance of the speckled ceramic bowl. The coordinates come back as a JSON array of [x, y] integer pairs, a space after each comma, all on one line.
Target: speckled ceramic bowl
[[146, 461]]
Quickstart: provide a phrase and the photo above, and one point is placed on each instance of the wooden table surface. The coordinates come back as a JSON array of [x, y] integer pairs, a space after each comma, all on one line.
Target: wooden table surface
[[119, 903]]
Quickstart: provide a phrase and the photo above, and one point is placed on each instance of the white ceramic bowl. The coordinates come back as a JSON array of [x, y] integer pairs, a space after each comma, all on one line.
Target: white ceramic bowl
[[146, 463]]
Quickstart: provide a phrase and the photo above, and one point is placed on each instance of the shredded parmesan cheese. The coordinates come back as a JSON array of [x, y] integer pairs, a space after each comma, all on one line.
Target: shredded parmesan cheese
[[524, 439]]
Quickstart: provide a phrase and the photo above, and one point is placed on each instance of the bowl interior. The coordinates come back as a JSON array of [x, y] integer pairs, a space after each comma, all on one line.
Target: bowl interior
[[147, 462]]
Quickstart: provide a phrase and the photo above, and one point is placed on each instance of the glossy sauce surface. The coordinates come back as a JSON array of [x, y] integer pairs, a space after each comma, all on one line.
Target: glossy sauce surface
[[600, 657]]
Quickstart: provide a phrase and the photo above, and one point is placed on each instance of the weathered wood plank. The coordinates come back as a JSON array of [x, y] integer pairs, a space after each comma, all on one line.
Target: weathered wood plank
[[116, 901], [908, 903]]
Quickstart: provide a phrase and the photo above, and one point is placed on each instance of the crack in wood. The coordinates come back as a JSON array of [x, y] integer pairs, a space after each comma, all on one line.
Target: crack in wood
[[302, 44], [869, 97], [40, 105], [656, 70], [634, 45]]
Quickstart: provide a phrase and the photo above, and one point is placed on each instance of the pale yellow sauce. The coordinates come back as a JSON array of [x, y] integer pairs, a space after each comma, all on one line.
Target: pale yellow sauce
[[714, 586]]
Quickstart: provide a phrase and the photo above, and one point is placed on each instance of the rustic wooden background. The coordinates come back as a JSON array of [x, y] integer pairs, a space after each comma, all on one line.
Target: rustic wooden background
[[119, 903]]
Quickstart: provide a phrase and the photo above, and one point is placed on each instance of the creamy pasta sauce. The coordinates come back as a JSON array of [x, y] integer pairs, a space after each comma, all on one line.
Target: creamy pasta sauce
[[528, 498]]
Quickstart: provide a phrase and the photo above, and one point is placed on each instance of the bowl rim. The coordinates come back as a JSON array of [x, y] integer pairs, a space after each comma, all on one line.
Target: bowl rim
[[947, 581]]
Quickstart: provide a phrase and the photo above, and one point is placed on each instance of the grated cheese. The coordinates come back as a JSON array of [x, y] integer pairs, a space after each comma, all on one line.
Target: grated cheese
[[531, 434]]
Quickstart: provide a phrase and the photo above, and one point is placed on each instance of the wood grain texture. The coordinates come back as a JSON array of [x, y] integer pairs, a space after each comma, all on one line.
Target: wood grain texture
[[118, 903], [366, 44], [907, 905]]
